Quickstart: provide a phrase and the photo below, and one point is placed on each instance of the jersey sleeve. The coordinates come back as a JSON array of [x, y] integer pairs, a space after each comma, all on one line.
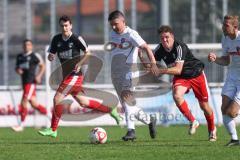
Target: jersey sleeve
[[136, 39], [53, 46], [82, 45], [181, 53], [39, 59]]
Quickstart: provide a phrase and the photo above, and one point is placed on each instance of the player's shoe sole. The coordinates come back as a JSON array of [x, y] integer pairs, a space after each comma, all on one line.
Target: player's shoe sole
[[193, 127], [213, 135], [233, 143], [17, 128], [48, 132]]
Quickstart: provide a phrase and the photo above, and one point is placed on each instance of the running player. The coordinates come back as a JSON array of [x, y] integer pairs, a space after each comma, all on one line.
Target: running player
[[188, 73], [26, 66], [231, 88], [67, 46], [126, 43]]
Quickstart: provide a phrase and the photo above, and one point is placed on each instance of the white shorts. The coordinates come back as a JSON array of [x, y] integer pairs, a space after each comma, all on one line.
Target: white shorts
[[231, 89], [119, 74]]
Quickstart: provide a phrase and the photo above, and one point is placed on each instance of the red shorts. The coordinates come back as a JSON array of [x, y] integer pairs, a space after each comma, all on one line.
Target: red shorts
[[29, 90], [198, 85], [72, 84]]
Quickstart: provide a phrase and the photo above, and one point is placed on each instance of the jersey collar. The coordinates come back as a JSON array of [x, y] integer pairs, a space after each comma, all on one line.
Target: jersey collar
[[65, 39]]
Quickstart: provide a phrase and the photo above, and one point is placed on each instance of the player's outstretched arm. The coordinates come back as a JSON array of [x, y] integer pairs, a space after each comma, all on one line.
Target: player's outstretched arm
[[41, 71], [223, 60], [176, 70], [78, 66], [149, 53], [146, 63]]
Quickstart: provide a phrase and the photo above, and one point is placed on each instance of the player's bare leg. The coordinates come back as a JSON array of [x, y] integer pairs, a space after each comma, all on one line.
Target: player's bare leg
[[178, 96], [230, 110]]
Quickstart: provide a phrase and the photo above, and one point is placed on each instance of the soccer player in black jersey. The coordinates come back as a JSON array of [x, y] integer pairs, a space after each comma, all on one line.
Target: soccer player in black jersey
[[188, 74], [26, 65], [67, 46]]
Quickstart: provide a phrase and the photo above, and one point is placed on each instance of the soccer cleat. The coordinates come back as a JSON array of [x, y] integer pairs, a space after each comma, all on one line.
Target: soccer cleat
[[213, 135], [233, 143], [130, 135], [193, 126], [114, 114], [18, 128], [152, 126], [48, 132]]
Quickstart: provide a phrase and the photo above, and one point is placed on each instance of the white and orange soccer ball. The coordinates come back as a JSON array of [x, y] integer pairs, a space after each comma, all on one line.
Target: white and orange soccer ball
[[98, 135]]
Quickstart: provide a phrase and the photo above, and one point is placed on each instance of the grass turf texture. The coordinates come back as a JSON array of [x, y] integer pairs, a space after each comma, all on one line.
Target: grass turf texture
[[72, 143]]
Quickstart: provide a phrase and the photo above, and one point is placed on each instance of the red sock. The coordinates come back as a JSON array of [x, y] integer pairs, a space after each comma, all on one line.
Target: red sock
[[41, 109], [186, 112], [98, 106], [210, 122], [23, 113], [56, 115]]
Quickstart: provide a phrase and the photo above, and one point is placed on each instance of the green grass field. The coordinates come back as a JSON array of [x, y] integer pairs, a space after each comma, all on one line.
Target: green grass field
[[72, 143]]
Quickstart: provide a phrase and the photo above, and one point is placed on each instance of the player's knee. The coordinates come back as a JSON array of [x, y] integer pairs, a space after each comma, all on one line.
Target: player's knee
[[128, 98], [83, 104], [56, 100], [231, 113], [177, 97], [24, 100]]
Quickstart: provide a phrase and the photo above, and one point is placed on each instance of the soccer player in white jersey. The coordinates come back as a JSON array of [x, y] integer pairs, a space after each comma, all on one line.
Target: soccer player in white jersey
[[126, 43], [231, 88]]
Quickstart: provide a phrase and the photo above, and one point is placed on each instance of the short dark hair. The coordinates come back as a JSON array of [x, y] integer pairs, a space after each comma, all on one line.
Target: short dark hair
[[115, 14], [165, 28], [65, 18], [27, 40]]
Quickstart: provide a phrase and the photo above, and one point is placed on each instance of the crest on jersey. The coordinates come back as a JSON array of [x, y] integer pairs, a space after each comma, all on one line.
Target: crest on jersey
[[59, 44], [123, 40], [174, 56], [70, 45]]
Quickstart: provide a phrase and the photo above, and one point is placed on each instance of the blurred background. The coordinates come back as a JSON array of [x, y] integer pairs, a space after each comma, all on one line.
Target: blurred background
[[194, 21]]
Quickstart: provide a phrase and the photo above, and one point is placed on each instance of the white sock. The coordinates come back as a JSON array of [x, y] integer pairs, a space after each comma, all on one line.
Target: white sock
[[230, 126], [142, 116], [130, 116], [134, 112]]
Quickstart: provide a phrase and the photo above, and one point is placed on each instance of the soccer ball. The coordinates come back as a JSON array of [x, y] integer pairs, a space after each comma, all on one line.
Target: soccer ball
[[98, 135]]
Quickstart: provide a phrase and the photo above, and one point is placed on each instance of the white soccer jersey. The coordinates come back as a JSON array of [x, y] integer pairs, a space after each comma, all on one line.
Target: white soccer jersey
[[232, 48], [128, 35]]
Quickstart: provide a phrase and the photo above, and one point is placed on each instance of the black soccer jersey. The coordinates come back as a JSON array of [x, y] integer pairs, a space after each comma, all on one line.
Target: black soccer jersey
[[192, 67], [28, 63], [68, 51]]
